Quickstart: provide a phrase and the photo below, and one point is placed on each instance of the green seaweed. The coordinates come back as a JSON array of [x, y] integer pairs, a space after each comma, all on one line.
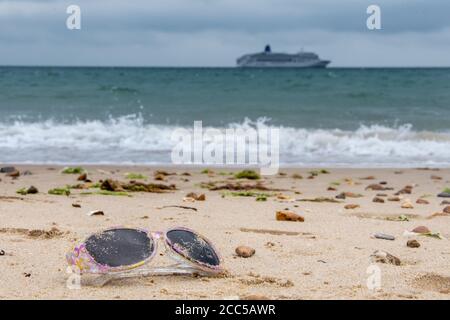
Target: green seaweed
[[335, 183], [446, 190], [136, 176], [206, 171], [75, 170], [248, 174], [107, 193], [22, 191], [249, 194], [60, 191]]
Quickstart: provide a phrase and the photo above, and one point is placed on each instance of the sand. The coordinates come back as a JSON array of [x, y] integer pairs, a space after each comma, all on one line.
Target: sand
[[325, 257]]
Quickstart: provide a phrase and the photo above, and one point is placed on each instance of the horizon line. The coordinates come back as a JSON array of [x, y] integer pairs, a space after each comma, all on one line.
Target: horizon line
[[219, 67]]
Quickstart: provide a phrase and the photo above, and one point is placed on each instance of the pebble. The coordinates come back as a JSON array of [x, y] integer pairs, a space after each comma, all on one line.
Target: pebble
[[351, 206], [32, 190], [244, 251], [378, 199], [2, 252], [96, 213], [421, 229], [254, 297], [407, 205], [8, 169], [422, 201], [14, 174], [82, 177], [76, 205], [396, 199], [193, 195], [413, 243], [447, 209], [445, 202], [444, 195], [385, 257], [288, 216], [384, 236]]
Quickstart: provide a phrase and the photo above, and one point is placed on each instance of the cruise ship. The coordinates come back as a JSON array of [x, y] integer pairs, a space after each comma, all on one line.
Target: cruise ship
[[269, 59]]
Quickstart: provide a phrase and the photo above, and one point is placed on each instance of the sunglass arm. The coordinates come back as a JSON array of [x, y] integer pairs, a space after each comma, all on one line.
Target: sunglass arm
[[176, 269]]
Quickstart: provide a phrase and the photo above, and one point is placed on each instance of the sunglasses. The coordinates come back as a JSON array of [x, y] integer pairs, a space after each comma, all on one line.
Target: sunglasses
[[125, 252]]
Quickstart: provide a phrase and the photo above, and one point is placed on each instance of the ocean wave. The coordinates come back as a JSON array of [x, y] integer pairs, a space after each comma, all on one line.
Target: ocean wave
[[129, 139]]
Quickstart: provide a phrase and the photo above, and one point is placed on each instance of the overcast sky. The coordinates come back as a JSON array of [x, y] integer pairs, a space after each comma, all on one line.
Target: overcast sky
[[216, 32]]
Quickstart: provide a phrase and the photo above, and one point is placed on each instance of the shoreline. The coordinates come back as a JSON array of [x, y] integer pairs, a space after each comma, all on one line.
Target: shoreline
[[324, 257]]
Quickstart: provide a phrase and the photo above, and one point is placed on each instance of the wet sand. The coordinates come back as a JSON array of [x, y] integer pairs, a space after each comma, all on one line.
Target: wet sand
[[325, 257]]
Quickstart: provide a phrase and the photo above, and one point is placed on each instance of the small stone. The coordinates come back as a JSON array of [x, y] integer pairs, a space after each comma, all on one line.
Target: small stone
[[382, 195], [82, 177], [413, 243], [254, 297], [96, 213], [407, 205], [13, 174], [384, 236], [76, 205], [201, 197], [445, 202], [8, 169], [194, 196], [351, 206], [244, 251], [378, 200], [405, 190], [2, 252], [159, 177], [422, 201], [288, 216], [377, 187], [368, 178], [32, 190], [385, 257], [331, 189], [396, 199], [341, 196], [421, 229], [446, 209], [444, 195], [436, 178]]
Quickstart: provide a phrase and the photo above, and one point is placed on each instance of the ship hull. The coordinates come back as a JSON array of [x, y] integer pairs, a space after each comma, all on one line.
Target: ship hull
[[259, 64]]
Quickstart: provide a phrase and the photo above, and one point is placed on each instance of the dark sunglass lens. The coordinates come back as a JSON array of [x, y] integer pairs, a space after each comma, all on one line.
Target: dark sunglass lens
[[120, 247], [193, 246]]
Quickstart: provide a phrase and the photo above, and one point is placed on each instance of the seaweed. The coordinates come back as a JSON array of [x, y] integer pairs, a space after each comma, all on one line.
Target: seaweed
[[136, 176], [60, 191], [248, 174], [107, 193], [75, 170], [22, 191]]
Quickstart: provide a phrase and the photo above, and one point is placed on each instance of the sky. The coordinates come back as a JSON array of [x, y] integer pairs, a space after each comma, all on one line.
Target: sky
[[216, 32]]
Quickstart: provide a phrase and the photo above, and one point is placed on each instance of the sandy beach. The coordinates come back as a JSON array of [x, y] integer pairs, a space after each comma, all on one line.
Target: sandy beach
[[325, 257]]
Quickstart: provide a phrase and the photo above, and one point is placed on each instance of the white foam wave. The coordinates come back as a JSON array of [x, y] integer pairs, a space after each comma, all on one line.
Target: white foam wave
[[130, 140]]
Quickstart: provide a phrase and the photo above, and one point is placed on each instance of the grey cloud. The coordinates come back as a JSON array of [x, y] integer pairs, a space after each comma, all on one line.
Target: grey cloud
[[215, 32]]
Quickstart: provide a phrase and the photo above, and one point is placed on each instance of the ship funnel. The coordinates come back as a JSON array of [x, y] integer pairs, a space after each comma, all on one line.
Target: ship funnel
[[267, 49]]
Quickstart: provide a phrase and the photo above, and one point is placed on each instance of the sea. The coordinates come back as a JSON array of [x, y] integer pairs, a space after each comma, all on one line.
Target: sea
[[335, 117]]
